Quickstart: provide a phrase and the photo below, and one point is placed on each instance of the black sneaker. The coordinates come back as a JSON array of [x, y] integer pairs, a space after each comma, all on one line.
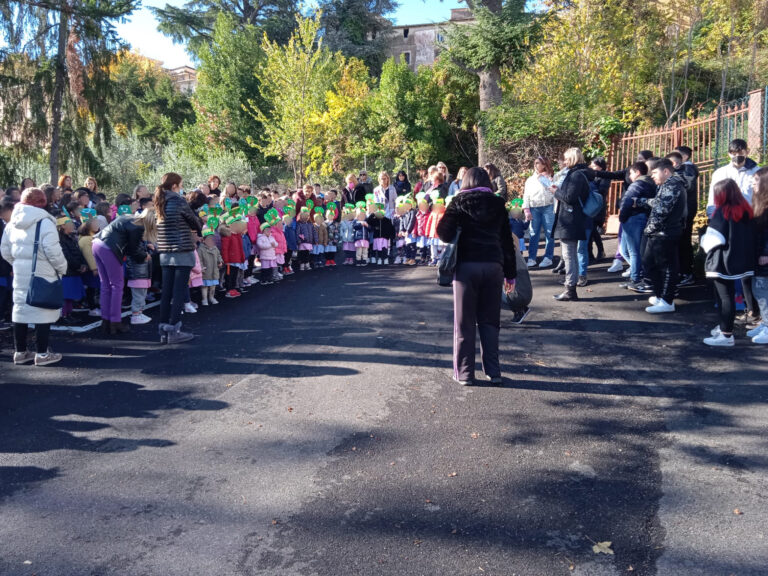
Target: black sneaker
[[520, 315], [641, 288], [631, 285], [686, 280]]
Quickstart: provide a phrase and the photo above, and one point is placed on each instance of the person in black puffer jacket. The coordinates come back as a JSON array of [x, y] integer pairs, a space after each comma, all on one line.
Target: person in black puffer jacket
[[485, 263], [121, 239], [176, 244], [633, 220], [666, 220], [570, 223]]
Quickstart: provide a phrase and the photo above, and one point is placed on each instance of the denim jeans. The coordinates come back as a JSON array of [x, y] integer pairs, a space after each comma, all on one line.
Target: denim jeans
[[632, 239], [542, 216], [760, 292], [583, 249]]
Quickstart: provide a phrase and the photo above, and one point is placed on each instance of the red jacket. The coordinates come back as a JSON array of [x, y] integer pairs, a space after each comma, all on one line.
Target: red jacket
[[232, 249], [421, 223], [432, 222]]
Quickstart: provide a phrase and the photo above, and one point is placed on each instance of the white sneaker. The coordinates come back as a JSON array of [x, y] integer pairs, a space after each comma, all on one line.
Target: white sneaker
[[398, 260], [379, 262], [627, 273], [757, 331], [617, 266], [140, 319], [761, 338], [205, 302], [47, 358], [720, 340], [531, 263], [189, 309], [385, 261], [96, 313], [545, 263], [716, 330], [213, 300], [23, 357], [653, 300], [661, 307]]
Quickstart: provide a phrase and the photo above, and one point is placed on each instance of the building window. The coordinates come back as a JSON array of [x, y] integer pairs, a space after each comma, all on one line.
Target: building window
[[406, 58], [405, 32], [440, 38]]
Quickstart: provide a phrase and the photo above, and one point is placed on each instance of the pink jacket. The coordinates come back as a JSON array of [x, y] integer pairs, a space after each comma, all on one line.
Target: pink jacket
[[279, 236], [253, 227], [267, 245], [196, 274]]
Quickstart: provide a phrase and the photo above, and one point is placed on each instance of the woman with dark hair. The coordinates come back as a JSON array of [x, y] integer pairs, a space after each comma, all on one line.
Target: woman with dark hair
[[27, 183], [485, 265], [498, 184], [30, 224], [197, 199], [729, 243], [176, 223], [53, 195], [402, 185], [759, 334], [539, 208], [214, 182]]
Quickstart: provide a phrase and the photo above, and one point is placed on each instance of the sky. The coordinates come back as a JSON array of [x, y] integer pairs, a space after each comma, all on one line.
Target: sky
[[141, 30]]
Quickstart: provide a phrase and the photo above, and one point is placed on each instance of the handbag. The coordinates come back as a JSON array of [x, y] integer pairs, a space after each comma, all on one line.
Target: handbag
[[593, 205], [447, 265], [41, 293]]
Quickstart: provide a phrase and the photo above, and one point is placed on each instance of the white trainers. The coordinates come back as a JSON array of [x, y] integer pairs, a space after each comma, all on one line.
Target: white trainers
[[531, 263], [213, 300], [96, 313], [720, 340], [47, 358], [142, 318], [716, 330], [385, 261], [398, 260], [761, 338], [627, 273], [23, 357], [757, 331], [379, 262], [617, 266], [545, 263], [189, 308], [653, 300], [661, 307], [205, 302]]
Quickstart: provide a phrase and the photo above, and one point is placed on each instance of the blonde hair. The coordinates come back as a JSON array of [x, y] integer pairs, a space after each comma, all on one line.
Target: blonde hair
[[384, 174], [149, 220], [351, 178], [431, 170], [573, 156], [308, 188]]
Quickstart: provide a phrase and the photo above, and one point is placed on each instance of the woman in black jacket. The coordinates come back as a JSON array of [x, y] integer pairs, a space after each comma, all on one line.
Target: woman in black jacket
[[570, 223], [485, 264], [176, 245], [121, 239]]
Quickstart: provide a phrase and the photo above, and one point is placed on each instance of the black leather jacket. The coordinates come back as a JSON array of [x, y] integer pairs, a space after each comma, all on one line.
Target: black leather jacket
[[174, 231], [124, 238]]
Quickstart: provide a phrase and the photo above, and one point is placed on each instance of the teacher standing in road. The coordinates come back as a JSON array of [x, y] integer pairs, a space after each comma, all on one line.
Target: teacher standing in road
[[485, 265]]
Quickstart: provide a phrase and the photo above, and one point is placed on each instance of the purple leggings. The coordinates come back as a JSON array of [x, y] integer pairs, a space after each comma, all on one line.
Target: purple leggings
[[111, 277]]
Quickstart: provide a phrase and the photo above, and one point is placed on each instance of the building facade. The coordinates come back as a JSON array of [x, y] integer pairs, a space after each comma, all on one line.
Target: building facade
[[184, 78], [418, 44]]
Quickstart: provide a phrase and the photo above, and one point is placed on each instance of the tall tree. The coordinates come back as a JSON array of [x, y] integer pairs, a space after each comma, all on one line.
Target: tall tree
[[193, 24], [501, 36], [293, 83], [358, 29]]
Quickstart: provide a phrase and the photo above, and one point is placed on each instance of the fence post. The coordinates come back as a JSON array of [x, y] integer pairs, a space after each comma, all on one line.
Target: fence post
[[755, 123], [718, 128]]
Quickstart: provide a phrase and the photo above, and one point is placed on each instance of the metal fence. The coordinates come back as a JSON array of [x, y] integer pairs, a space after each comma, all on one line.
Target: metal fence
[[707, 136]]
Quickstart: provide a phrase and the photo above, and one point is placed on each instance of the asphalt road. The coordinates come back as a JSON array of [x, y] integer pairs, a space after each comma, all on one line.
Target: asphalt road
[[313, 429]]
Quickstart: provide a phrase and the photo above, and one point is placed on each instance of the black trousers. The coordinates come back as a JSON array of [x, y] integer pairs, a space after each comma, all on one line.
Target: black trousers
[[477, 290], [685, 249], [594, 237], [750, 302], [231, 277], [42, 332], [661, 265], [725, 290], [175, 284]]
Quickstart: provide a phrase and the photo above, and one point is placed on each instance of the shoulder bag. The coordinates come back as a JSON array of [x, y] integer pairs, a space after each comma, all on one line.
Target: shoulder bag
[[447, 265], [41, 293]]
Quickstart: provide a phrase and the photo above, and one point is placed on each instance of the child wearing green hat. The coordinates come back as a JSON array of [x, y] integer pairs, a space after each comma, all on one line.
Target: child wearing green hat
[[361, 238], [210, 262], [517, 221], [333, 234], [321, 230], [267, 254], [305, 235], [347, 233], [406, 231], [383, 233]]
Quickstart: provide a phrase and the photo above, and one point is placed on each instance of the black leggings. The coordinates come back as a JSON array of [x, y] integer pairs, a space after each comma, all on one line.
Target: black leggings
[[175, 284], [42, 331], [725, 290], [750, 302], [594, 238]]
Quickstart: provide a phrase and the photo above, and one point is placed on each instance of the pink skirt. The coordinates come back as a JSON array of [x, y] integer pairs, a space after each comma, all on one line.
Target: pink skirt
[[361, 244], [305, 246], [380, 243], [349, 246], [268, 264], [280, 259]]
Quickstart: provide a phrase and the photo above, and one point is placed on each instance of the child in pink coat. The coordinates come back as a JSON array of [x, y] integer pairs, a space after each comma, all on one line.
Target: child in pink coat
[[267, 254]]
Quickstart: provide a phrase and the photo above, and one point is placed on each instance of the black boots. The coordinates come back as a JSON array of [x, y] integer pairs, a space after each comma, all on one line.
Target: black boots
[[567, 296]]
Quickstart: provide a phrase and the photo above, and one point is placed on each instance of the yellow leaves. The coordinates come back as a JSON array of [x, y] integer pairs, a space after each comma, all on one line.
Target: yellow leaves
[[602, 548]]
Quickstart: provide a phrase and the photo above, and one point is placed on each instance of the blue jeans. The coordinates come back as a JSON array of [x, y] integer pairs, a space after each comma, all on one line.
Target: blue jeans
[[632, 239], [760, 292], [542, 216], [583, 250]]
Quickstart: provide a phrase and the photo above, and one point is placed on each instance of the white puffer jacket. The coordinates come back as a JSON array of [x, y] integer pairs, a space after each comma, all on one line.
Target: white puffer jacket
[[18, 247]]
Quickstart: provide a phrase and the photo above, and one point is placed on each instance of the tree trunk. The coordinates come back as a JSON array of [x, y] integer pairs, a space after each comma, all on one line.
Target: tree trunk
[[490, 97], [58, 92]]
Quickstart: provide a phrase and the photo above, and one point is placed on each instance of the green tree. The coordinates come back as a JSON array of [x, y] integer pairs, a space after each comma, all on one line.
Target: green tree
[[358, 29], [293, 81]]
